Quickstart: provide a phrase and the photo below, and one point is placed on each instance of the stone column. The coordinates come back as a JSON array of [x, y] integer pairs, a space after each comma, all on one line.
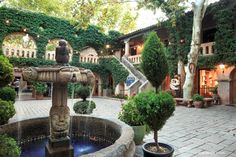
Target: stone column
[[59, 141], [127, 47]]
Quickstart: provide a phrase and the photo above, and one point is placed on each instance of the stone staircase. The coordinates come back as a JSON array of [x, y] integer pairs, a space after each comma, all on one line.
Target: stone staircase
[[141, 83]]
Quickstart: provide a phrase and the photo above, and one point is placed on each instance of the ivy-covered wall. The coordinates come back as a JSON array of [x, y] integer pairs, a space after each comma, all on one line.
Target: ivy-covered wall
[[43, 28]]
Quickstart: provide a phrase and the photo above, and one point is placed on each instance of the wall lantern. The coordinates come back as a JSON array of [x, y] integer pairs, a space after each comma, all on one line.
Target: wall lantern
[[24, 30], [7, 21], [38, 36], [222, 67], [108, 46]]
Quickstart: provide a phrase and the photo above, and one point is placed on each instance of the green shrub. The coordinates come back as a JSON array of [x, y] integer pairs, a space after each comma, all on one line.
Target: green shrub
[[7, 111], [155, 109], [84, 107], [8, 94], [197, 97], [83, 92], [40, 88], [6, 71], [154, 63], [8, 147], [130, 114]]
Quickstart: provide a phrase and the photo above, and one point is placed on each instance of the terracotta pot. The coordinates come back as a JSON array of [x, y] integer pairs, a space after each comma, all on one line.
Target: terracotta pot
[[39, 97], [148, 153], [198, 104], [139, 132]]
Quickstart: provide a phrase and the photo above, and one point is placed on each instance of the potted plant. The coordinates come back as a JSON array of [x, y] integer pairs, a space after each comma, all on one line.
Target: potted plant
[[40, 89], [198, 101], [131, 116], [155, 107]]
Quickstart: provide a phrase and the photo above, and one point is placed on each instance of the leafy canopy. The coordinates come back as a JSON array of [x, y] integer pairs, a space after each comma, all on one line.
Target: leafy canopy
[[107, 14]]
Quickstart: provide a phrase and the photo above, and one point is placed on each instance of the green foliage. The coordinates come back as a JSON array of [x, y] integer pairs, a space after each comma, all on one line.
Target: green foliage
[[154, 108], [8, 94], [84, 107], [8, 147], [119, 73], [35, 62], [6, 71], [40, 88], [83, 92], [154, 62], [130, 114], [43, 28], [7, 111], [197, 97], [112, 39]]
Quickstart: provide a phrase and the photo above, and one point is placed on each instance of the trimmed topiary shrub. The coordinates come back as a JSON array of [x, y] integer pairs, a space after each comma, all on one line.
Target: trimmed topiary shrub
[[83, 92], [84, 107], [6, 71], [8, 147], [154, 63], [7, 111], [40, 88], [155, 109], [8, 94]]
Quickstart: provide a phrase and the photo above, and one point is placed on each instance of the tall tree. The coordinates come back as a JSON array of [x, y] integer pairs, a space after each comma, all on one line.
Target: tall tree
[[107, 14], [174, 8]]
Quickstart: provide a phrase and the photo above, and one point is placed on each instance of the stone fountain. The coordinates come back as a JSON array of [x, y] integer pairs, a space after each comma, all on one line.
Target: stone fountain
[[59, 74]]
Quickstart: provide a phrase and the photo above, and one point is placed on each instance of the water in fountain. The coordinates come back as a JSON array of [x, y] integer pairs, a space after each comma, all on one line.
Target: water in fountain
[[19, 131]]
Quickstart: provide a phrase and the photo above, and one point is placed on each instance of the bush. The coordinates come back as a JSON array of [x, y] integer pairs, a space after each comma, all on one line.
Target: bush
[[6, 71], [40, 88], [8, 147], [8, 94], [155, 109], [84, 107], [197, 97], [154, 63], [130, 114], [7, 111], [83, 92]]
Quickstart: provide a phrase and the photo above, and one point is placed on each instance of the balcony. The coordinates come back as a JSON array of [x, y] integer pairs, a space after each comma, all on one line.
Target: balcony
[[136, 59], [207, 48], [89, 59], [19, 52]]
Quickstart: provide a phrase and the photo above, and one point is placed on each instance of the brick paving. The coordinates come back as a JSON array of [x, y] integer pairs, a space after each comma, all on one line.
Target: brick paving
[[209, 132]]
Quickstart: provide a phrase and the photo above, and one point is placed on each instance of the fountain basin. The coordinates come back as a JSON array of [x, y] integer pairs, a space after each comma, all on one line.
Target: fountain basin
[[116, 134]]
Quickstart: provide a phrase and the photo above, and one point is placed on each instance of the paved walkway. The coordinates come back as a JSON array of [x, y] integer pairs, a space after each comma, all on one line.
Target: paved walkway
[[209, 132]]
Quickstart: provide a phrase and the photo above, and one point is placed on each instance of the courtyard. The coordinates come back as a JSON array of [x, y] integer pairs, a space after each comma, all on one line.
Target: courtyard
[[209, 132]]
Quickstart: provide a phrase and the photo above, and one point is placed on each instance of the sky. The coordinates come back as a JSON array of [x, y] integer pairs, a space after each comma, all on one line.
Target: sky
[[147, 18]]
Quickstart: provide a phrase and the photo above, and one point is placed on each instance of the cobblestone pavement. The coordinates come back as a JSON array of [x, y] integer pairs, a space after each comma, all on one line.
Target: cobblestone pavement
[[209, 132]]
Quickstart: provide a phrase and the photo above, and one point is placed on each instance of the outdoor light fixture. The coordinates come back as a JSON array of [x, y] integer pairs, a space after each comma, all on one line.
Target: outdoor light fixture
[[107, 46], [38, 36], [24, 29], [222, 67], [7, 21]]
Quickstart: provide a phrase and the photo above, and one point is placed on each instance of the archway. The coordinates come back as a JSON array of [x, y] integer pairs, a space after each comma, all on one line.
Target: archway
[[233, 86], [51, 47], [19, 44]]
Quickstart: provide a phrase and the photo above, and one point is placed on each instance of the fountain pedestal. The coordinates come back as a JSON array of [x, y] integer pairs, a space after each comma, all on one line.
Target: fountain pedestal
[[60, 74]]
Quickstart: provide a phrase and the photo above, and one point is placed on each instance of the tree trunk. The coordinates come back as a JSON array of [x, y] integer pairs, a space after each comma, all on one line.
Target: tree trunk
[[181, 73], [199, 8], [156, 140]]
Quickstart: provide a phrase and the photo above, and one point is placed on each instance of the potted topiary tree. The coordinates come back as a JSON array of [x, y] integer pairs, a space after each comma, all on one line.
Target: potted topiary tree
[[157, 107], [7, 111], [9, 147], [84, 106], [198, 100], [131, 116], [40, 89]]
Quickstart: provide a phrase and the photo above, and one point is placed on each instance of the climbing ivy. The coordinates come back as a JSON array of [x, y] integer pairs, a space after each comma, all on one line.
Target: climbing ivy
[[119, 73], [43, 28], [24, 62]]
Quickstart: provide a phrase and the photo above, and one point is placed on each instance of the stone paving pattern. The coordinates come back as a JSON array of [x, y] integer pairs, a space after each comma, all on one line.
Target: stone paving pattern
[[209, 132]]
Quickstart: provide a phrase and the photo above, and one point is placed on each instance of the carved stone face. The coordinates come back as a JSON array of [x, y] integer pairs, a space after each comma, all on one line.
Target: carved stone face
[[59, 120]]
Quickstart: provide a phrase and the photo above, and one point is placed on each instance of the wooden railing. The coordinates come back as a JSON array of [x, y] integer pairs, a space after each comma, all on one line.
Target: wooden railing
[[19, 52], [207, 48], [136, 59]]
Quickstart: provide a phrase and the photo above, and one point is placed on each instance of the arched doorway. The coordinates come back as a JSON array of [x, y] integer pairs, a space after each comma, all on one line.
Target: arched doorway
[[19, 44], [233, 86]]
